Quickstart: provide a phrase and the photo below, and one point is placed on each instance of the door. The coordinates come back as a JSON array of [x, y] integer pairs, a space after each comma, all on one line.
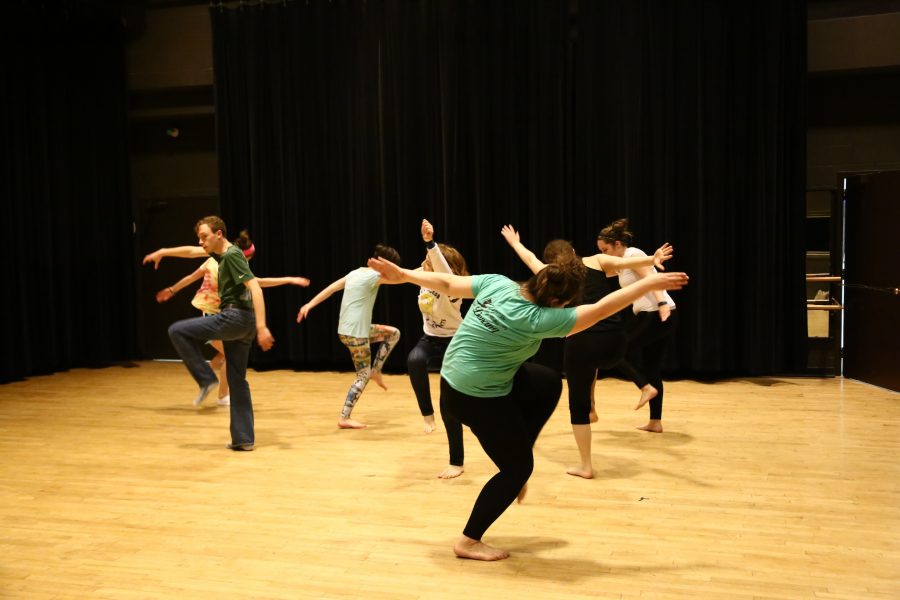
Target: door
[[871, 276]]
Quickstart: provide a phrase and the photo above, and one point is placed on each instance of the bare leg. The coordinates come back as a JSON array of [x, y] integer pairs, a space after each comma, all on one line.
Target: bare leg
[[593, 414], [429, 423], [582, 435], [648, 393], [466, 547], [223, 379], [451, 472], [653, 426]]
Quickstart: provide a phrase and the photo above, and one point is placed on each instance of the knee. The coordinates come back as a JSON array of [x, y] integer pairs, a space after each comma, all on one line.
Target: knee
[[416, 360]]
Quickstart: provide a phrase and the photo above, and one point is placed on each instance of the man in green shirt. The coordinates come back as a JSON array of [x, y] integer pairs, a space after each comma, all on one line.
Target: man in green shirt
[[242, 317]]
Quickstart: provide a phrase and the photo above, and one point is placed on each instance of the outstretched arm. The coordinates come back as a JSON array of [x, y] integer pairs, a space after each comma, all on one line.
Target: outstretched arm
[[267, 282], [589, 314], [528, 257], [263, 335], [320, 297], [610, 264], [177, 252], [454, 285], [168, 293], [438, 262]]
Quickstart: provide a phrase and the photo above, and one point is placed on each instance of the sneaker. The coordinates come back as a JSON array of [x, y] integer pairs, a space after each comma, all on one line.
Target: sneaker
[[204, 392], [224, 401], [240, 447]]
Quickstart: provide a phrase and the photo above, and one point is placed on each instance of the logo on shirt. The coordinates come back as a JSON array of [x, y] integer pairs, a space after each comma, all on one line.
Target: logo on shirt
[[484, 312]]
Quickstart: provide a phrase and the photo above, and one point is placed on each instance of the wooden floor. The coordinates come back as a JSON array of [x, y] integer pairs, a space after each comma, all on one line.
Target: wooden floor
[[113, 486]]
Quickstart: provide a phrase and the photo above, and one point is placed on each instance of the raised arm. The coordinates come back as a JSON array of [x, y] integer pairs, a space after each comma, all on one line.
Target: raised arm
[[320, 297], [588, 314], [263, 335], [177, 252], [168, 293], [457, 286], [267, 282], [528, 257], [438, 262], [611, 264]]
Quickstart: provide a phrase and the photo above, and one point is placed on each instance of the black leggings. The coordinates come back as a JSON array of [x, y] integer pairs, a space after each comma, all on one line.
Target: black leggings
[[429, 351], [648, 338], [585, 353], [506, 427]]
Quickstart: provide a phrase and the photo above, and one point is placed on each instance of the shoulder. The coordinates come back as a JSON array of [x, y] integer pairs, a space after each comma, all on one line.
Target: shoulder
[[634, 251]]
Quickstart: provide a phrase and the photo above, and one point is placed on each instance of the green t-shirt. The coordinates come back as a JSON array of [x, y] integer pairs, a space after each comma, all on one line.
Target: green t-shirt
[[233, 273], [500, 332]]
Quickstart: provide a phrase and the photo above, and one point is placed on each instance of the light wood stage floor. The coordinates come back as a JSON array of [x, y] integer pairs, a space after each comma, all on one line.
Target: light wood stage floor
[[112, 485]]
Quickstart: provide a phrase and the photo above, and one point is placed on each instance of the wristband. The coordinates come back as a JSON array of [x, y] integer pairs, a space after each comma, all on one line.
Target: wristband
[[430, 244], [661, 304]]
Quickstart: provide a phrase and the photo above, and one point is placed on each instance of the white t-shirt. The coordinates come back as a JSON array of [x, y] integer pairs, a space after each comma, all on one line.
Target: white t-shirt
[[441, 314], [647, 302]]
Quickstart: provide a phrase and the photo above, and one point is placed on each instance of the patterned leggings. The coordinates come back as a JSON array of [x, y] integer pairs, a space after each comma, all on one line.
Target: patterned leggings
[[361, 354]]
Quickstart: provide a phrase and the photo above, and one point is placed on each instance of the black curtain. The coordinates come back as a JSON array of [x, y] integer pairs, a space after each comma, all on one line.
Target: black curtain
[[65, 210], [343, 123]]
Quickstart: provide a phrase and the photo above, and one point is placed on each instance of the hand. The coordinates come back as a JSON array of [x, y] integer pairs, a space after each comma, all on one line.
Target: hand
[[301, 281], [304, 312], [427, 231], [390, 272], [510, 235], [264, 339], [664, 311], [662, 254], [668, 281], [154, 257], [164, 295]]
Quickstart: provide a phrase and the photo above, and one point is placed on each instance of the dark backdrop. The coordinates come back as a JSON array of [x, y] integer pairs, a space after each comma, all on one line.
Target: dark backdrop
[[64, 202], [344, 123]]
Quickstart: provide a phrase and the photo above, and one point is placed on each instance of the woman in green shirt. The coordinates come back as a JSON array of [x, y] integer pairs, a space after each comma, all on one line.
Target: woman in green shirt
[[486, 383]]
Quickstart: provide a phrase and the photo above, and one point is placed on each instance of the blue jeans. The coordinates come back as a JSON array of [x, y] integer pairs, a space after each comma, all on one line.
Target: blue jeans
[[237, 330]]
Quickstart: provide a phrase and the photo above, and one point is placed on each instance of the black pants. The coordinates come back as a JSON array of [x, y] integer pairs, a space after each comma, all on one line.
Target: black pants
[[506, 427], [648, 338], [585, 353], [429, 352]]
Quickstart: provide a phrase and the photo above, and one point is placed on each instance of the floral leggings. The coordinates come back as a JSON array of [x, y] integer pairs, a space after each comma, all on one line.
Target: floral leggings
[[361, 354]]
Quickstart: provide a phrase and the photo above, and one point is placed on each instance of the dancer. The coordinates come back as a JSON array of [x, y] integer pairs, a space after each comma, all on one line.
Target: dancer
[[601, 346], [441, 316], [654, 323], [485, 381], [206, 299], [242, 317], [356, 330]]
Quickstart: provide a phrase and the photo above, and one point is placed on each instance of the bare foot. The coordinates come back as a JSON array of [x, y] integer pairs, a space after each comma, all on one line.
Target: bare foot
[[592, 416], [653, 426], [466, 547], [522, 493], [429, 424], [377, 378], [351, 424], [451, 472], [581, 472], [648, 393]]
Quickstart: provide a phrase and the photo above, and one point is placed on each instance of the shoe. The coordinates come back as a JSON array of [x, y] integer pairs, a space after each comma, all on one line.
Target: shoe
[[240, 448], [204, 392], [224, 401]]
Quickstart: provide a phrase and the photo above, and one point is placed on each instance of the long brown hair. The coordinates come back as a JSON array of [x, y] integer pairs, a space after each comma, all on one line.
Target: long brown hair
[[557, 284], [454, 259]]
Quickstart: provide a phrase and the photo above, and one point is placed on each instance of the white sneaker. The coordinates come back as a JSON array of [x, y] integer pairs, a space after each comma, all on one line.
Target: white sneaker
[[204, 392], [225, 400]]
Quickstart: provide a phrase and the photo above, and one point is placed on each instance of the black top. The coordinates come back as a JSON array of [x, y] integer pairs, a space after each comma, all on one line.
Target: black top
[[596, 286]]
